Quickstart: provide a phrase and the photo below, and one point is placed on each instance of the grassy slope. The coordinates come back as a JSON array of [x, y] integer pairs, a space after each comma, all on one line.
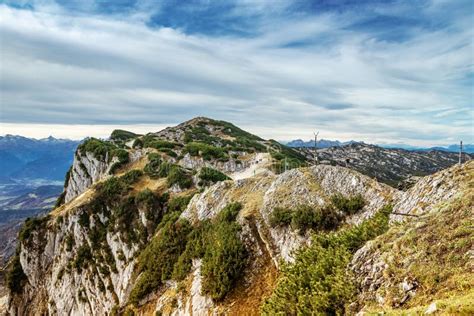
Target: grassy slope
[[435, 250]]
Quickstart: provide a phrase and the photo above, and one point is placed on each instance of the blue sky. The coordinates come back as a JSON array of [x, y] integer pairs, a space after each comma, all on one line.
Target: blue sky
[[377, 71]]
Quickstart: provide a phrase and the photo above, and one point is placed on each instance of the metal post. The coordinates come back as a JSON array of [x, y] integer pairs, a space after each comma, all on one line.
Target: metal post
[[316, 148]]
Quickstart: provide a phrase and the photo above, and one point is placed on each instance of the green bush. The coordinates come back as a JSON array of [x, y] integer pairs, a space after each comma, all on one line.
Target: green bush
[[178, 176], [170, 253], [150, 141], [30, 225], [16, 278], [281, 217], [123, 159], [210, 175], [84, 219], [317, 283], [69, 242], [224, 260], [169, 152], [229, 212], [132, 176], [305, 217], [156, 261], [99, 148], [350, 205], [137, 143], [179, 203], [208, 152], [83, 257], [121, 135], [111, 188], [152, 169]]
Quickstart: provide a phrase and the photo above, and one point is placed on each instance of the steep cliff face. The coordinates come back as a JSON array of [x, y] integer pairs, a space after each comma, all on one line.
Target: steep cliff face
[[65, 274], [86, 169]]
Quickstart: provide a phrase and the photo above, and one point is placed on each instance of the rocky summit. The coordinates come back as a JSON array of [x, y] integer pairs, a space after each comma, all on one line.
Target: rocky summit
[[206, 219]]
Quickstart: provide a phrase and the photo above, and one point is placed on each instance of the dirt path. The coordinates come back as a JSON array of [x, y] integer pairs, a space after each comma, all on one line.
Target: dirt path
[[258, 165]]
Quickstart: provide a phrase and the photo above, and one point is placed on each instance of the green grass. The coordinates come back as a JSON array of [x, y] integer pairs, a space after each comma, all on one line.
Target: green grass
[[433, 250]]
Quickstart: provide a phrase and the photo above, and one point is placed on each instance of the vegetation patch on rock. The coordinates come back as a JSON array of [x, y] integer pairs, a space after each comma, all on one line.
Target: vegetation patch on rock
[[317, 282]]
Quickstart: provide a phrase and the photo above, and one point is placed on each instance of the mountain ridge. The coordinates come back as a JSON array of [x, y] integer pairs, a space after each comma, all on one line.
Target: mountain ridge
[[324, 143], [156, 225]]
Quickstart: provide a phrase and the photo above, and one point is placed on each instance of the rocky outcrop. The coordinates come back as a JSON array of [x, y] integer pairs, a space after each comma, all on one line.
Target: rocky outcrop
[[389, 269], [86, 169], [396, 167], [431, 190], [56, 285], [261, 194]]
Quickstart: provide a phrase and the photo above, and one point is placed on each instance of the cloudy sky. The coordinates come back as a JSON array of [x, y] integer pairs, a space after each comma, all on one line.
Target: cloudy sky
[[377, 71]]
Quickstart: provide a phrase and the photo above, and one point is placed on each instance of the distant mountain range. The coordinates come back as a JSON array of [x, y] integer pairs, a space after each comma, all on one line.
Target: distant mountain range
[[31, 178], [26, 159], [467, 148], [324, 143]]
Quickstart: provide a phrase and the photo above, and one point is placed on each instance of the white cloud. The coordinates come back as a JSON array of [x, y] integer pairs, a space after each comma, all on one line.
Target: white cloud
[[62, 69]]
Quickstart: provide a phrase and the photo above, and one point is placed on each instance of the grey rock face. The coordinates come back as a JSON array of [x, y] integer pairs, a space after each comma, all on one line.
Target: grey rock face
[[86, 170], [260, 195]]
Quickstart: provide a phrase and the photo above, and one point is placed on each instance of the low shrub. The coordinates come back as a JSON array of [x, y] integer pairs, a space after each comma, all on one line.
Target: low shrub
[[170, 253], [123, 159], [156, 261], [317, 283], [179, 177], [132, 176], [348, 205], [225, 255], [99, 148], [137, 143], [30, 225], [152, 169], [169, 152], [150, 141], [305, 217], [209, 176], [179, 203], [83, 257], [208, 152], [281, 216], [111, 188], [122, 135], [16, 278]]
